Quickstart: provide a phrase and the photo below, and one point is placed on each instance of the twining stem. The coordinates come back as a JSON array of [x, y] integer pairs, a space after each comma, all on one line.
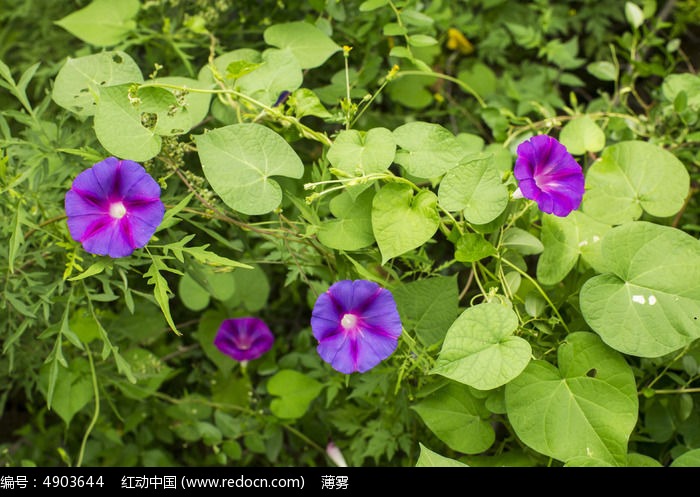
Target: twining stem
[[539, 289], [451, 79], [677, 391]]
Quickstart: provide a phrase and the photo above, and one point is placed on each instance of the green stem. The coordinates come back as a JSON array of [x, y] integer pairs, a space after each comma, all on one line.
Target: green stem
[[96, 415], [539, 289], [305, 130], [456, 81], [678, 391]]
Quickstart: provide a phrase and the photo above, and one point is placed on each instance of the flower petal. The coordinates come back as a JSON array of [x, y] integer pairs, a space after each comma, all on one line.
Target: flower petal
[[244, 339]]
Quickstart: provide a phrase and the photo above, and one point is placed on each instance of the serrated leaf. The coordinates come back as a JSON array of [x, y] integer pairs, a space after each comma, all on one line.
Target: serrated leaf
[[161, 290], [239, 161]]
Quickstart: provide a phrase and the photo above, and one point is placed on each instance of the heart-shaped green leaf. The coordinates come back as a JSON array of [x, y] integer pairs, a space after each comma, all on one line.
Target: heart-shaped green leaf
[[586, 408], [475, 187], [352, 228], [294, 391], [648, 303], [402, 222], [480, 349], [358, 152], [239, 161], [119, 125], [73, 388], [632, 177], [457, 418], [78, 83], [311, 46], [103, 22], [427, 150], [564, 240]]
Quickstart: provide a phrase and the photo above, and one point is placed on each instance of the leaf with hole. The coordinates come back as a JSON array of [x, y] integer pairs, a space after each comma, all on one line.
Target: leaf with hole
[[648, 303], [587, 407]]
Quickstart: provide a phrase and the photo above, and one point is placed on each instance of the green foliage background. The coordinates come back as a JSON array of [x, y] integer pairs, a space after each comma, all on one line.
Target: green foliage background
[[528, 340]]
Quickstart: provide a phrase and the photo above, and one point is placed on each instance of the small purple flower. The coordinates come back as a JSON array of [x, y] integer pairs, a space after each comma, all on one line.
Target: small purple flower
[[356, 324], [114, 207], [549, 175], [244, 339]]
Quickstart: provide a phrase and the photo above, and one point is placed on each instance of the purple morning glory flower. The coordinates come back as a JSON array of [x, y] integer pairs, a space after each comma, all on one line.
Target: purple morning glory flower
[[548, 174], [244, 339], [356, 324], [114, 207]]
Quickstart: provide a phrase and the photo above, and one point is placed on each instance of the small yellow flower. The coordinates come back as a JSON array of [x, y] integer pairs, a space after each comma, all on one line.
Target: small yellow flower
[[457, 41]]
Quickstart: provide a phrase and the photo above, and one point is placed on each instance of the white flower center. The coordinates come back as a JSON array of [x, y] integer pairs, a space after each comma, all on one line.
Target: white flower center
[[348, 321], [117, 210]]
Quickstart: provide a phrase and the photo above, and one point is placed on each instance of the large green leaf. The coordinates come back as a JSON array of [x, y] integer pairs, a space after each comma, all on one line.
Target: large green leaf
[[427, 150], [278, 72], [294, 393], [632, 177], [103, 22], [457, 418], [588, 407], [118, 126], [474, 187], [78, 83], [352, 228], [430, 459], [648, 303], [239, 161], [564, 240], [359, 152], [73, 389], [402, 222], [311, 46], [428, 306], [480, 349]]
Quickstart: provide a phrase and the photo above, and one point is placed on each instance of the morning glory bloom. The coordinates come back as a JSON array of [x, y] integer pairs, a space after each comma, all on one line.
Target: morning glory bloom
[[356, 324], [548, 174], [244, 339], [114, 207]]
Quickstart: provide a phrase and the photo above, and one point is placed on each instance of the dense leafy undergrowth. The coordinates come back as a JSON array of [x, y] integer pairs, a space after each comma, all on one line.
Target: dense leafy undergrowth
[[420, 280]]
